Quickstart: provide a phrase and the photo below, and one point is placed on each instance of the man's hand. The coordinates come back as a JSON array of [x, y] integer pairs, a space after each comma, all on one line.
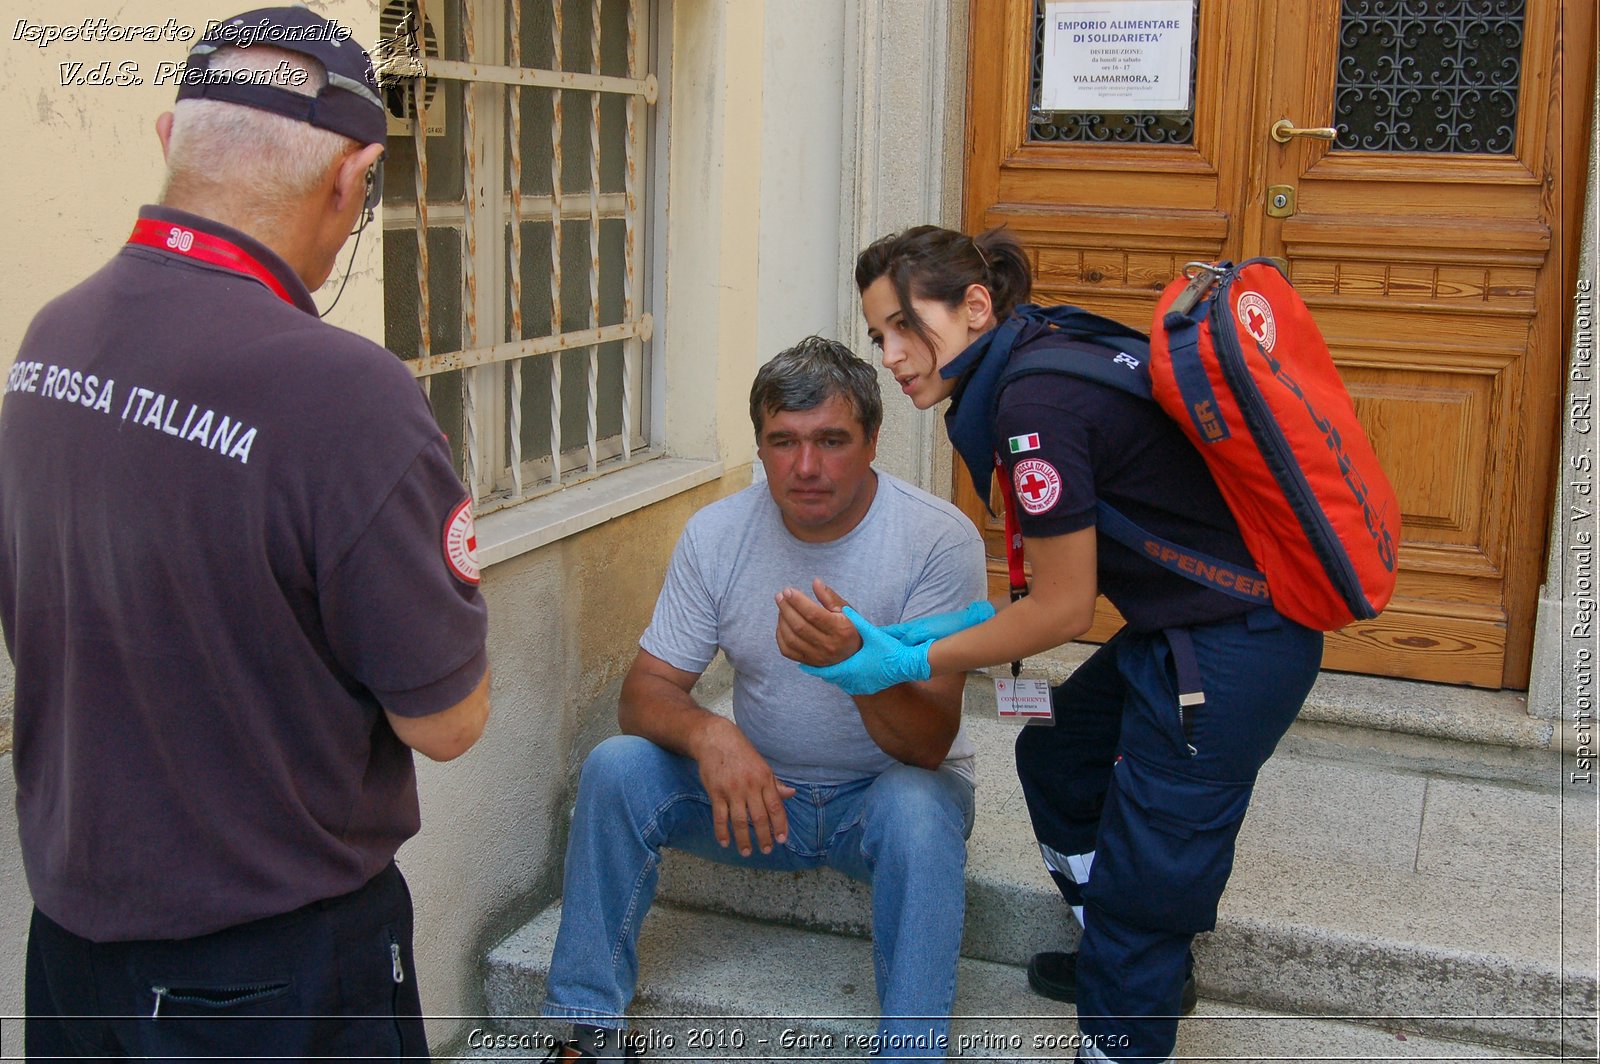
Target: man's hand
[[744, 792], [657, 704], [882, 662], [815, 633], [911, 719]]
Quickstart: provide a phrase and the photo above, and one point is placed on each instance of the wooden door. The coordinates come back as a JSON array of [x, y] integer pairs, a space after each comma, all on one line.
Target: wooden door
[[1430, 239]]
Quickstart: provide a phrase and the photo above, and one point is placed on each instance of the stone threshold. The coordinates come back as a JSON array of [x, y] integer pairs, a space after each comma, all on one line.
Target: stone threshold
[[1411, 707]]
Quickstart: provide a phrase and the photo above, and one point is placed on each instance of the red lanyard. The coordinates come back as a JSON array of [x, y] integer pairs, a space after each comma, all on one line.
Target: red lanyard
[[181, 240], [1019, 579]]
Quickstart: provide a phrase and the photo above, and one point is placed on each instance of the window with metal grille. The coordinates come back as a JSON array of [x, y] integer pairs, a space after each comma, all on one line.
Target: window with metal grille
[[1429, 75], [515, 237]]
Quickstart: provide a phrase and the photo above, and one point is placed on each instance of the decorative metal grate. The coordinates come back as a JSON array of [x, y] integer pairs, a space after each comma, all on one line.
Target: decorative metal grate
[[1429, 75], [1125, 127], [514, 258]]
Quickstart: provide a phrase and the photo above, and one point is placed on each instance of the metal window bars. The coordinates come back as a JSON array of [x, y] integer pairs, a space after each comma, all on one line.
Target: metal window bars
[[491, 217]]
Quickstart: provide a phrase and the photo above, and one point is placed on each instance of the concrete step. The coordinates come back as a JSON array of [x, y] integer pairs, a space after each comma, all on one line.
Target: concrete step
[[1405, 707], [715, 987], [1372, 881]]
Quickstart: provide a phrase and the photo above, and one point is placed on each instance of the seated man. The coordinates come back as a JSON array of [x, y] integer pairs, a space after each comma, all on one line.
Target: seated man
[[890, 774]]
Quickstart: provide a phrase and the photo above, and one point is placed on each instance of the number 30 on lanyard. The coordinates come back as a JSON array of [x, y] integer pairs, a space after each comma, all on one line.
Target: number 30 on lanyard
[[203, 247]]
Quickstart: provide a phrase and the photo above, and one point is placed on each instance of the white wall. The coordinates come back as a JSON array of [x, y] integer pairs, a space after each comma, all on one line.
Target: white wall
[[709, 337], [902, 129], [801, 102]]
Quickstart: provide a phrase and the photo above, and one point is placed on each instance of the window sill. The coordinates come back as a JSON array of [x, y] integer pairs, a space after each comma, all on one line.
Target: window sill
[[505, 534]]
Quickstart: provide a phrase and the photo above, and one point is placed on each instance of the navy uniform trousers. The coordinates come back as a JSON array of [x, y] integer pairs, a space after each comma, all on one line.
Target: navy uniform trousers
[[332, 980], [1136, 803]]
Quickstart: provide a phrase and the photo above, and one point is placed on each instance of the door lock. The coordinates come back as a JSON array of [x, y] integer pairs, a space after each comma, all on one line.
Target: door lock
[[1280, 201]]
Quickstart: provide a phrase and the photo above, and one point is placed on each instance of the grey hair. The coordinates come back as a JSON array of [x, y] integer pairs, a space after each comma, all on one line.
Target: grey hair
[[234, 152], [808, 375]]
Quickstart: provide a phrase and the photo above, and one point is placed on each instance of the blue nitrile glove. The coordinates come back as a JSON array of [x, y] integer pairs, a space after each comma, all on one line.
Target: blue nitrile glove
[[882, 661], [939, 625]]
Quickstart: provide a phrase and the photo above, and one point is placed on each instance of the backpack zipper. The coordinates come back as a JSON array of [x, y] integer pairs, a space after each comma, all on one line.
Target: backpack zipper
[[1274, 447]]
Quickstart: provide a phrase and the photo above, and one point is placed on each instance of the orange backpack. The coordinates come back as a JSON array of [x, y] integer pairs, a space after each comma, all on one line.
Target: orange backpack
[[1237, 361]]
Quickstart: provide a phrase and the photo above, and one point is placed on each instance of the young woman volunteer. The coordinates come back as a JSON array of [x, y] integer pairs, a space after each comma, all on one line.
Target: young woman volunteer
[[1135, 798]]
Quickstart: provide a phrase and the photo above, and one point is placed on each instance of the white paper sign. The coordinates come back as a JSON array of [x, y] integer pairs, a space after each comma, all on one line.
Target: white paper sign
[[1117, 55], [1022, 698]]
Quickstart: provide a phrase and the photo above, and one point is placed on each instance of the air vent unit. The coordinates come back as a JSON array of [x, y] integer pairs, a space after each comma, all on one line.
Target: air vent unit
[[401, 98]]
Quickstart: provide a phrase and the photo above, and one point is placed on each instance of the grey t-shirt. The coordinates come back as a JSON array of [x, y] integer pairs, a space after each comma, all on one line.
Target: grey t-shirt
[[911, 555]]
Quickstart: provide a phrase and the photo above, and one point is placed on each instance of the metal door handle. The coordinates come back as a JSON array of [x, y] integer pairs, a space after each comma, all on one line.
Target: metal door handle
[[1283, 129]]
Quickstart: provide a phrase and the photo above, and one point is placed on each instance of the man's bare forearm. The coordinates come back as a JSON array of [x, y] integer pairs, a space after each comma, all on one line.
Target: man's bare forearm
[[657, 709], [914, 723]]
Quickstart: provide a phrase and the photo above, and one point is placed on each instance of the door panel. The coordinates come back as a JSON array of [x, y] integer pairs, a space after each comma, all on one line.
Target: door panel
[[1433, 265]]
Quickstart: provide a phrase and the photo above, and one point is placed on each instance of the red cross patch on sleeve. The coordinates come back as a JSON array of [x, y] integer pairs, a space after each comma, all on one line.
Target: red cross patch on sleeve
[[461, 543], [1038, 485]]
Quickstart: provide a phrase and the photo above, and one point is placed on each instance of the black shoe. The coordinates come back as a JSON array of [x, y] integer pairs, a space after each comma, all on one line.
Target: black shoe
[[1055, 975], [570, 1051]]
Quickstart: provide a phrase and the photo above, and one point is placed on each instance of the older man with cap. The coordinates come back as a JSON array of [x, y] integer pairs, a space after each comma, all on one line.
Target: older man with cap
[[238, 581]]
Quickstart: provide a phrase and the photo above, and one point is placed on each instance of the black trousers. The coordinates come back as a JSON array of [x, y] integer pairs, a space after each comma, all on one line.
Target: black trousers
[[332, 980]]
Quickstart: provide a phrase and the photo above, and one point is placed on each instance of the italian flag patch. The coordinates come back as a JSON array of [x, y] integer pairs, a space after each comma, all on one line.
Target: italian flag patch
[[1019, 444]]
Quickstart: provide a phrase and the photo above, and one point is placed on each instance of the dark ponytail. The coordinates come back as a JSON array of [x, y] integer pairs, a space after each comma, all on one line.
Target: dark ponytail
[[930, 262], [1010, 278]]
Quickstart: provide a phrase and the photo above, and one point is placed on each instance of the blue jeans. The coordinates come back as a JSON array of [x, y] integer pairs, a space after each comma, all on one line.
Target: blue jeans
[[903, 831]]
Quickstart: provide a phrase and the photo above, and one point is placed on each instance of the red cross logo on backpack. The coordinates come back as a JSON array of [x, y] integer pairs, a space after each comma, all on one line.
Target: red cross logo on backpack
[[1255, 314]]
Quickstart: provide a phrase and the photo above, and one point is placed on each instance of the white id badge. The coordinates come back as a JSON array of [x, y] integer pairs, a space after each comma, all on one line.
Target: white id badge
[[1023, 699]]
